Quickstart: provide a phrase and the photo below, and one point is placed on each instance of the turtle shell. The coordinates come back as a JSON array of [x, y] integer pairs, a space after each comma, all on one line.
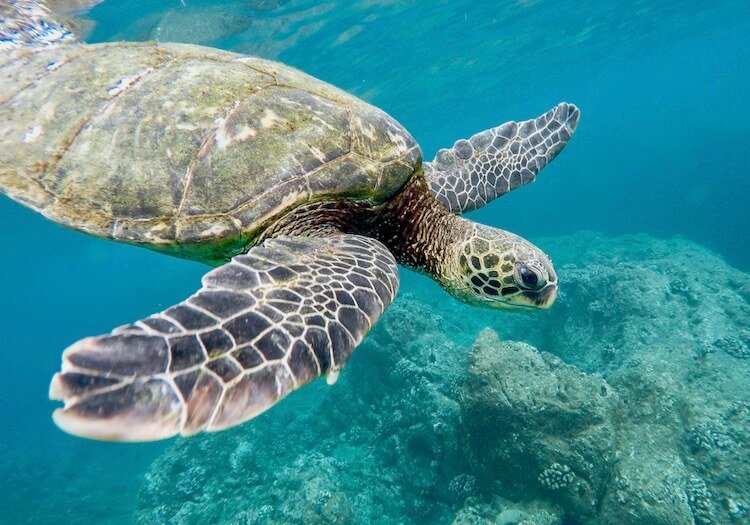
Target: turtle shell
[[183, 148]]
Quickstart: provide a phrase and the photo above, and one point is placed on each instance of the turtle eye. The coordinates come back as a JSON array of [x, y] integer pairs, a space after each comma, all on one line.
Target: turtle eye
[[529, 278]]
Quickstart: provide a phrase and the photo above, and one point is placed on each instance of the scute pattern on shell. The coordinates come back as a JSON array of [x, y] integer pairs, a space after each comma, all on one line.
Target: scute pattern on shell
[[180, 147]]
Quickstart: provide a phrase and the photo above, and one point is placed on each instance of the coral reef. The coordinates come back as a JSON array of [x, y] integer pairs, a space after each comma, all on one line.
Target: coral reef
[[735, 346], [556, 477], [548, 421], [632, 406], [708, 435], [700, 500], [382, 443]]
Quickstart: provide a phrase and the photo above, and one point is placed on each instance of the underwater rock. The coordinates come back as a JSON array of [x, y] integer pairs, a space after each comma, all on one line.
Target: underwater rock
[[709, 435], [647, 391], [648, 486], [648, 479], [500, 511], [699, 498], [381, 444], [640, 312], [537, 425], [738, 347]]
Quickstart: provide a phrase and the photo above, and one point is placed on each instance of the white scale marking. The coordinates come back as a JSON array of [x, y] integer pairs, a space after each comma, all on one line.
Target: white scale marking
[[32, 134], [126, 82], [332, 377]]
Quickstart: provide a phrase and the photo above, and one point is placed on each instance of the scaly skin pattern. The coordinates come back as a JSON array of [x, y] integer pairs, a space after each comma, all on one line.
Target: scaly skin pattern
[[182, 148], [477, 264], [484, 270], [498, 160], [263, 325]]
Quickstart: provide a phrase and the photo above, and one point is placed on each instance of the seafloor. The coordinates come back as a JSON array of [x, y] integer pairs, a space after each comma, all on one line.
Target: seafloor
[[631, 407]]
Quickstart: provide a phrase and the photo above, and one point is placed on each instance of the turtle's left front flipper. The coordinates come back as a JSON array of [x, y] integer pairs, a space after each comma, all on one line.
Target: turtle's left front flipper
[[266, 323], [498, 160]]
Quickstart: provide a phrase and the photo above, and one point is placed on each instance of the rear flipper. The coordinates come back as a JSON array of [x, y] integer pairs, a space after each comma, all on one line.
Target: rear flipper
[[262, 325], [498, 160]]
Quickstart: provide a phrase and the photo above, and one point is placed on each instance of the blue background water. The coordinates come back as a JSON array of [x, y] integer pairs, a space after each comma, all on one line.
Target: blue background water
[[662, 148]]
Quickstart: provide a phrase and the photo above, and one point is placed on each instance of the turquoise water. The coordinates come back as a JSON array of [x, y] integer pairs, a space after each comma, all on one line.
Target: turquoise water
[[661, 151]]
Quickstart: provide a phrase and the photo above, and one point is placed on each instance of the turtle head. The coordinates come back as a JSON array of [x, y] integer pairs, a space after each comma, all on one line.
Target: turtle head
[[497, 269]]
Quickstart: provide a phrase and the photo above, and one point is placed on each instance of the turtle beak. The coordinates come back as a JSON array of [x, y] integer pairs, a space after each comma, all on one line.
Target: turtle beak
[[530, 300], [545, 297], [542, 298], [533, 299]]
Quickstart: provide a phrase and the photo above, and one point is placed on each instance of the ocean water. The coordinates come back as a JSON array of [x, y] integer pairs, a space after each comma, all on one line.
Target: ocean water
[[653, 322]]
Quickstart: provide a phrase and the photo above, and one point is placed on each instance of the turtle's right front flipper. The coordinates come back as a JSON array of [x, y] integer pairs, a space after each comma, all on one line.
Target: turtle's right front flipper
[[268, 322], [498, 160]]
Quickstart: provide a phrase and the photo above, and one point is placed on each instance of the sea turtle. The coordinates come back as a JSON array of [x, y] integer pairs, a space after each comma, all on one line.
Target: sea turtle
[[304, 197]]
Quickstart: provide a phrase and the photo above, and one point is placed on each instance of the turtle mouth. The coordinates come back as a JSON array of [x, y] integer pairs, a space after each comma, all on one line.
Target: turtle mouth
[[545, 297], [528, 300]]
